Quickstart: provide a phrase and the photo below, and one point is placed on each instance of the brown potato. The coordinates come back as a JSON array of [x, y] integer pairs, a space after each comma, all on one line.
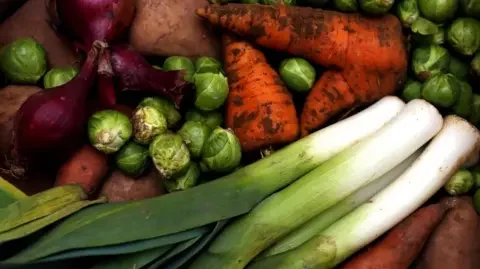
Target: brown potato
[[119, 187], [171, 28], [31, 20]]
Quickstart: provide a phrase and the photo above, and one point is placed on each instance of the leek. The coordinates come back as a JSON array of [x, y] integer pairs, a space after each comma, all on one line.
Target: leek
[[327, 218], [320, 189], [443, 156]]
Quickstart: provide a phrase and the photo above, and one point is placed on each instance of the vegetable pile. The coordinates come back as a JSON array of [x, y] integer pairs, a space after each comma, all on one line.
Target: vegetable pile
[[241, 134]]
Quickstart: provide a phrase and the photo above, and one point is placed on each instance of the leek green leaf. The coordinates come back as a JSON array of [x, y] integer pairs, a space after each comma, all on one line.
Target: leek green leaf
[[134, 260]]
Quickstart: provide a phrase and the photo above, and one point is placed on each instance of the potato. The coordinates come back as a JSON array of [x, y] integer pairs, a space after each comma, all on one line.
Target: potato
[[119, 187], [168, 28], [31, 20], [12, 98]]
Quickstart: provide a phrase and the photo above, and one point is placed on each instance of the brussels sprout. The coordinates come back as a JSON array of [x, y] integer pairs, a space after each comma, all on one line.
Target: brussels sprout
[[180, 63], [165, 107], [346, 5], [429, 61], [157, 67], [298, 74], [476, 201], [471, 8], [407, 11], [475, 111], [464, 35], [23, 61], [476, 176], [207, 65], [463, 106], [376, 7], [148, 122], [109, 130], [475, 64], [211, 90], [211, 118], [458, 68], [194, 134], [250, 1], [427, 32], [221, 152], [186, 181], [438, 11], [170, 155], [59, 76], [132, 159], [412, 90], [460, 183], [276, 2], [441, 90]]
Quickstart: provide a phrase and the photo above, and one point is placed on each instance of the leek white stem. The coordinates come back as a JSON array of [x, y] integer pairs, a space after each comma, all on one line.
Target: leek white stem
[[440, 160], [325, 186]]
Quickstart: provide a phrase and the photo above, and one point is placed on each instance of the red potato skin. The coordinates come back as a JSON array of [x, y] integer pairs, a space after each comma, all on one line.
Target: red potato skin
[[87, 167], [401, 245], [453, 243]]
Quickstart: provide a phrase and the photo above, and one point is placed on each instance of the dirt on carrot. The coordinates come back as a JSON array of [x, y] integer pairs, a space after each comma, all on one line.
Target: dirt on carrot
[[259, 108], [402, 244], [369, 53]]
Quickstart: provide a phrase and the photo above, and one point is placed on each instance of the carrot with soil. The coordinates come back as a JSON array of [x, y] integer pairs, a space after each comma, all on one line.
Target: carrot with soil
[[369, 52], [259, 108], [399, 248]]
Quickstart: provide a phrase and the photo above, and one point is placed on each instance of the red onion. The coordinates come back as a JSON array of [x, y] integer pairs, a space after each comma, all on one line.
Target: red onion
[[51, 124], [106, 88], [88, 20], [134, 73]]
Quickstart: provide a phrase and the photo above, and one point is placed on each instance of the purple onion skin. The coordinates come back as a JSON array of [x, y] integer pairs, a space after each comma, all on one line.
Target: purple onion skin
[[50, 125], [134, 73]]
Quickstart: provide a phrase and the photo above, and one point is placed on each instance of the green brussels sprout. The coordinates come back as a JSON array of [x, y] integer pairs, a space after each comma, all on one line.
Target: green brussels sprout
[[464, 35], [185, 181], [148, 122], [180, 63], [412, 90], [170, 155], [458, 68], [438, 11], [157, 67], [441, 90], [463, 106], [165, 107], [475, 64], [250, 1], [221, 152], [429, 61], [109, 130], [211, 118], [298, 74], [211, 90], [23, 61], [276, 2], [346, 5], [132, 159], [426, 32], [407, 12], [475, 111], [460, 183], [476, 201], [476, 175], [59, 76], [207, 65], [376, 7], [471, 8], [194, 135]]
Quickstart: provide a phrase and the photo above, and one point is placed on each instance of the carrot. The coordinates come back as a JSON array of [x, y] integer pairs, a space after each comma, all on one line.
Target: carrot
[[368, 52], [452, 244], [259, 108], [401, 245], [86, 167]]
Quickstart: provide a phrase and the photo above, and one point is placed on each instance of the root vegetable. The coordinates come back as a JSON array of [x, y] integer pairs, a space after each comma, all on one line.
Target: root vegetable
[[167, 28], [87, 167], [119, 187], [31, 20]]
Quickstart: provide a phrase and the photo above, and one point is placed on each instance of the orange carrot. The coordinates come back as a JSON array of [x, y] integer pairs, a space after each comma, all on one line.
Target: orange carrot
[[260, 109], [401, 245], [368, 52]]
